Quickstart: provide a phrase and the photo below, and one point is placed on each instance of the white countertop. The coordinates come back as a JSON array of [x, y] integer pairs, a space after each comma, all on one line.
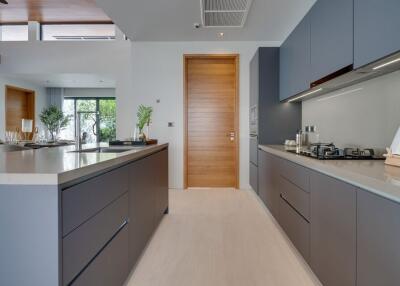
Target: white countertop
[[58, 165], [370, 175]]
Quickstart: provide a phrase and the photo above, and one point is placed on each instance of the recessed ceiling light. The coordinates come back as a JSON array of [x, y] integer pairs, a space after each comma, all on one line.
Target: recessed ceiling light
[[221, 34]]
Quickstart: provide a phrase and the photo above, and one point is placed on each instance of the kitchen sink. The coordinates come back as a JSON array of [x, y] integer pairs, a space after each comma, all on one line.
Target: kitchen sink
[[106, 150]]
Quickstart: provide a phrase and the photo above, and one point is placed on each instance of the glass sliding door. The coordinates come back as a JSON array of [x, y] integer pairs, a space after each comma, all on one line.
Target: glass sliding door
[[98, 119], [108, 122], [89, 120]]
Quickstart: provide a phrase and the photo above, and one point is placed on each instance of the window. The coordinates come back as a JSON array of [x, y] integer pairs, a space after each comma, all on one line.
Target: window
[[77, 32], [10, 33], [98, 122]]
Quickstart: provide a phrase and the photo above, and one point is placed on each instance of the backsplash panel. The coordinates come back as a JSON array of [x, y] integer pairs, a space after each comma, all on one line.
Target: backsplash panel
[[363, 115]]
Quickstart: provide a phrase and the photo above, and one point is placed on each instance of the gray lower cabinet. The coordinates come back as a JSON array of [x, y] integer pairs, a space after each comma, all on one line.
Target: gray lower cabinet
[[268, 172], [87, 241], [378, 237], [333, 230], [253, 175], [148, 200], [296, 227], [110, 267], [104, 248]]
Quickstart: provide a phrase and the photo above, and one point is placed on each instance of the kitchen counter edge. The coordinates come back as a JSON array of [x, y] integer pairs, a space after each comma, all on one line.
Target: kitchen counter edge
[[80, 172], [386, 187]]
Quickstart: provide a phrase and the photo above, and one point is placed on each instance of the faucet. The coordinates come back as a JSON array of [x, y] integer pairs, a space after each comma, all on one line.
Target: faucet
[[78, 139]]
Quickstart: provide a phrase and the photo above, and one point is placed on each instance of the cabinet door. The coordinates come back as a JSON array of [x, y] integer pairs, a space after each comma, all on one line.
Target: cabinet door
[[268, 178], [254, 177], [295, 61], [333, 231], [378, 236], [160, 174], [331, 37], [141, 206], [376, 29], [110, 267], [296, 227]]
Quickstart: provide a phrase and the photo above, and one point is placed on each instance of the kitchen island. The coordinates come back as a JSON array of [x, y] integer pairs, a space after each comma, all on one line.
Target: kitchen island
[[79, 218], [343, 216]]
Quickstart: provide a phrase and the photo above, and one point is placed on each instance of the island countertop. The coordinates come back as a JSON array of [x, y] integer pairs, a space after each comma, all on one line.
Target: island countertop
[[55, 166], [370, 175]]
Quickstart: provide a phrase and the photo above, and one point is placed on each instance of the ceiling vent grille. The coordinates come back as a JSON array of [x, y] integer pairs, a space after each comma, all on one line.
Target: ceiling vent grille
[[224, 13]]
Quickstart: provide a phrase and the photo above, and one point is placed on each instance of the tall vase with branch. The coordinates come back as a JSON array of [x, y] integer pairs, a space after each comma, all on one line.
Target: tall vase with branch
[[55, 120], [144, 119]]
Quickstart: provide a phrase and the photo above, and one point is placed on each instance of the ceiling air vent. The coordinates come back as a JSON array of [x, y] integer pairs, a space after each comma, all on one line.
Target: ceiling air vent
[[224, 13]]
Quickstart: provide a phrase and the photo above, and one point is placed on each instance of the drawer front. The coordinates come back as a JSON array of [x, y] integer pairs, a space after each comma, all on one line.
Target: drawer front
[[254, 150], [296, 174], [296, 228], [81, 245], [296, 197], [110, 268], [82, 201]]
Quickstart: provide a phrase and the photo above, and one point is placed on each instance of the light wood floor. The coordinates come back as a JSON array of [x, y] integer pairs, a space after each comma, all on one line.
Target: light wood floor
[[222, 238]]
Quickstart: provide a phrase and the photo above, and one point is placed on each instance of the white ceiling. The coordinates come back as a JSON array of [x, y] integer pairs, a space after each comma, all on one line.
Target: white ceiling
[[172, 20], [67, 80]]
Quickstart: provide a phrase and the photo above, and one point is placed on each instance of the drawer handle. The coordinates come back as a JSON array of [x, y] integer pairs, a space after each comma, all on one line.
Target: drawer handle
[[291, 206]]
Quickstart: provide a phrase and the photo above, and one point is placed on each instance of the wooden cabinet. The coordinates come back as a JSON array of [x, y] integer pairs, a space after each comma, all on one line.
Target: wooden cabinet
[[333, 230], [295, 61], [376, 28], [331, 37], [378, 236]]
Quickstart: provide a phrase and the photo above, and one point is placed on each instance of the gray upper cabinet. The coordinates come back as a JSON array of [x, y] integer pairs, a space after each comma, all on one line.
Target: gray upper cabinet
[[333, 231], [295, 61], [331, 37], [378, 236], [376, 28]]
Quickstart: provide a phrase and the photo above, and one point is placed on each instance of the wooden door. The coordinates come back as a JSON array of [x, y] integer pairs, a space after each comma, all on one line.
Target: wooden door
[[211, 94], [20, 104]]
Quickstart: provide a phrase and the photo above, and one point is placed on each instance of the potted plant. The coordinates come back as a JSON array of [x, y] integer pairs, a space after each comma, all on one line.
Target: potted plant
[[144, 118], [54, 120]]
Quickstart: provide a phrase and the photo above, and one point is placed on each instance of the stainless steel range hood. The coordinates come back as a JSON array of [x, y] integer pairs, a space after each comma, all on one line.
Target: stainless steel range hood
[[379, 68]]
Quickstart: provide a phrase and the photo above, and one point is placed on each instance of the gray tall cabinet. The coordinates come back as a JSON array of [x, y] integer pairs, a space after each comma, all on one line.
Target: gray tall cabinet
[[275, 121]]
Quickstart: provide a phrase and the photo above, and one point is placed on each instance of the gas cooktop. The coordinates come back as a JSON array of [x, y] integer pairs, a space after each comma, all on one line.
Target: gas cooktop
[[328, 151]]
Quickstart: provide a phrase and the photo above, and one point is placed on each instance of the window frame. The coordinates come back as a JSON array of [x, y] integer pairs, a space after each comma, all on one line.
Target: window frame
[[72, 24]]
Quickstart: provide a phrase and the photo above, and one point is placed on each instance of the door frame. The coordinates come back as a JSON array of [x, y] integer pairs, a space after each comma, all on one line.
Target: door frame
[[33, 105], [186, 57]]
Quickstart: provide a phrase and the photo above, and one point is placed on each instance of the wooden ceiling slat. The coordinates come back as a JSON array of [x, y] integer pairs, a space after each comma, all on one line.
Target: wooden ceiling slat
[[52, 11]]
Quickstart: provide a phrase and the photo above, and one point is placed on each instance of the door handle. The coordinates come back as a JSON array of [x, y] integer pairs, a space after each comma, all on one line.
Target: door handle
[[231, 136]]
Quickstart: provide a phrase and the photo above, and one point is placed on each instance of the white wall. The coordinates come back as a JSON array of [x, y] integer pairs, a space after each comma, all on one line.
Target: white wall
[[89, 92], [363, 115], [107, 58], [40, 100], [144, 72], [158, 74]]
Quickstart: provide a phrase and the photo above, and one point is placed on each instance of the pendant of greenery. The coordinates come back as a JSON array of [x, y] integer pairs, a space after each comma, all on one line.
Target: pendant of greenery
[[54, 120], [144, 116]]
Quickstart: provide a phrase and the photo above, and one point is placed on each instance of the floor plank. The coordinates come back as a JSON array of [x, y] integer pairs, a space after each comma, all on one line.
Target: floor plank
[[219, 237]]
